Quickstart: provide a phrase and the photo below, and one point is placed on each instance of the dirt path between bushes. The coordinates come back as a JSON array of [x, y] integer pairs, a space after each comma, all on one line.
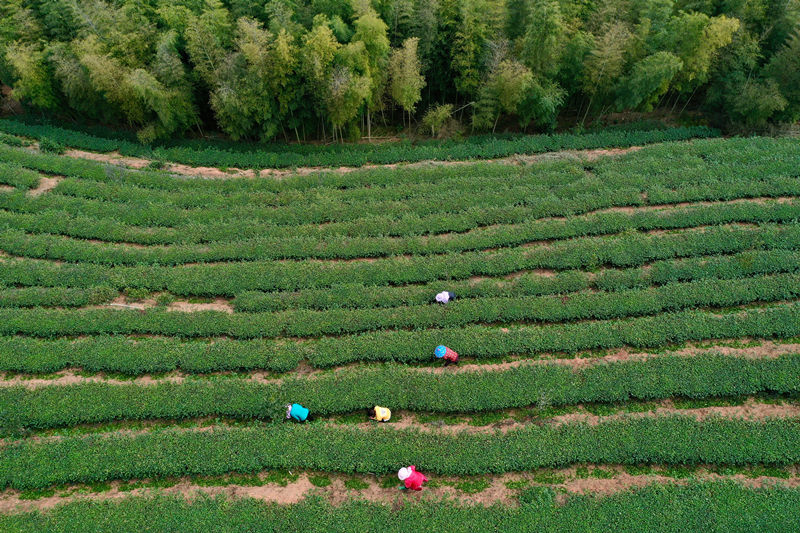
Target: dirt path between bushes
[[298, 487], [115, 158], [46, 183], [765, 349]]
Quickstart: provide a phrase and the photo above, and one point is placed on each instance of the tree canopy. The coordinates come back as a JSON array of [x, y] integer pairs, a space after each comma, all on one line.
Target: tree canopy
[[312, 68]]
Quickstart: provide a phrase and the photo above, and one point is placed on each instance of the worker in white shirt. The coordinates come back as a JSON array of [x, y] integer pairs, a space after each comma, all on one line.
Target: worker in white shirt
[[444, 297]]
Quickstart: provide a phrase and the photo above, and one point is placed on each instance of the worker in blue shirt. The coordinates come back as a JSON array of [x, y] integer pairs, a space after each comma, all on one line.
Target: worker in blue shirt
[[296, 411]]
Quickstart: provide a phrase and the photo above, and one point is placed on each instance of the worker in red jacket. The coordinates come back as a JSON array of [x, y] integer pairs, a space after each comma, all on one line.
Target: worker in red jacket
[[449, 356], [411, 478]]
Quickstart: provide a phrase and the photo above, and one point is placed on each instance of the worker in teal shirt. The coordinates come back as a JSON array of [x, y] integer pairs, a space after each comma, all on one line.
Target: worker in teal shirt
[[296, 411]]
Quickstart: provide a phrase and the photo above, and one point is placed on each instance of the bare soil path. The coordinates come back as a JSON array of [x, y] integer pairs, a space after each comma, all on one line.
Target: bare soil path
[[115, 158], [763, 349], [502, 489]]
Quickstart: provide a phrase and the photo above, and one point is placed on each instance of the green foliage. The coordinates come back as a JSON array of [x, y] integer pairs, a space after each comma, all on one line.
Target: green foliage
[[436, 117], [47, 144], [670, 507], [120, 354], [784, 69], [671, 440], [625, 250], [704, 381], [55, 297], [648, 81], [407, 82], [286, 69], [341, 246], [136, 294], [13, 140], [18, 177], [201, 154], [320, 481], [33, 82], [546, 309], [356, 484]]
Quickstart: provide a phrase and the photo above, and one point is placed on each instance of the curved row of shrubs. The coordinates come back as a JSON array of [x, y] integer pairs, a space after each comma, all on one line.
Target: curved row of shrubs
[[354, 390], [662, 440], [136, 355], [357, 155]]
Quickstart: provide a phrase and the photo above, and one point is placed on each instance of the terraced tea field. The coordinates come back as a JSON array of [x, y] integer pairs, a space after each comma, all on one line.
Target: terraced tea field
[[627, 318]]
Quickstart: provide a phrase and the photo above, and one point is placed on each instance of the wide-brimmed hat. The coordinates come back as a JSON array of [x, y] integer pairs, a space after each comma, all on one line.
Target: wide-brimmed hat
[[404, 473], [440, 351]]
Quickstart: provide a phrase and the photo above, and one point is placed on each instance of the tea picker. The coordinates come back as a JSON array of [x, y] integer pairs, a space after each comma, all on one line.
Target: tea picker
[[296, 411], [449, 356], [444, 297], [411, 479], [380, 414]]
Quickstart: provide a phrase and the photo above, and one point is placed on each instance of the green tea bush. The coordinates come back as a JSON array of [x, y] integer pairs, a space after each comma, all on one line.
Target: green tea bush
[[46, 144], [229, 279], [55, 296], [352, 390], [303, 323], [18, 177], [490, 342], [357, 155], [149, 355], [656, 508], [13, 140], [359, 296], [662, 440], [145, 355], [497, 236]]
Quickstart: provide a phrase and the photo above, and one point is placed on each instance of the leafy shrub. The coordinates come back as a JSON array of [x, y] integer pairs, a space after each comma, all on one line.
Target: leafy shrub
[[351, 391], [46, 144], [356, 484], [205, 153], [13, 140], [671, 440], [136, 294], [320, 481], [436, 116]]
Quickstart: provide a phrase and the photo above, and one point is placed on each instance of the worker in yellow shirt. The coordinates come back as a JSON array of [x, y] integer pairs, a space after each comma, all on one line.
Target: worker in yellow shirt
[[381, 414]]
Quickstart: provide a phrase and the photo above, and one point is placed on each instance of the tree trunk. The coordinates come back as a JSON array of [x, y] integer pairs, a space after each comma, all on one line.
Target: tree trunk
[[588, 107], [687, 101], [369, 126], [675, 104]]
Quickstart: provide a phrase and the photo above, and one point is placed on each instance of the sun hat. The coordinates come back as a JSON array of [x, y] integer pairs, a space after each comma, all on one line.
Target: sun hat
[[440, 351], [404, 473]]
